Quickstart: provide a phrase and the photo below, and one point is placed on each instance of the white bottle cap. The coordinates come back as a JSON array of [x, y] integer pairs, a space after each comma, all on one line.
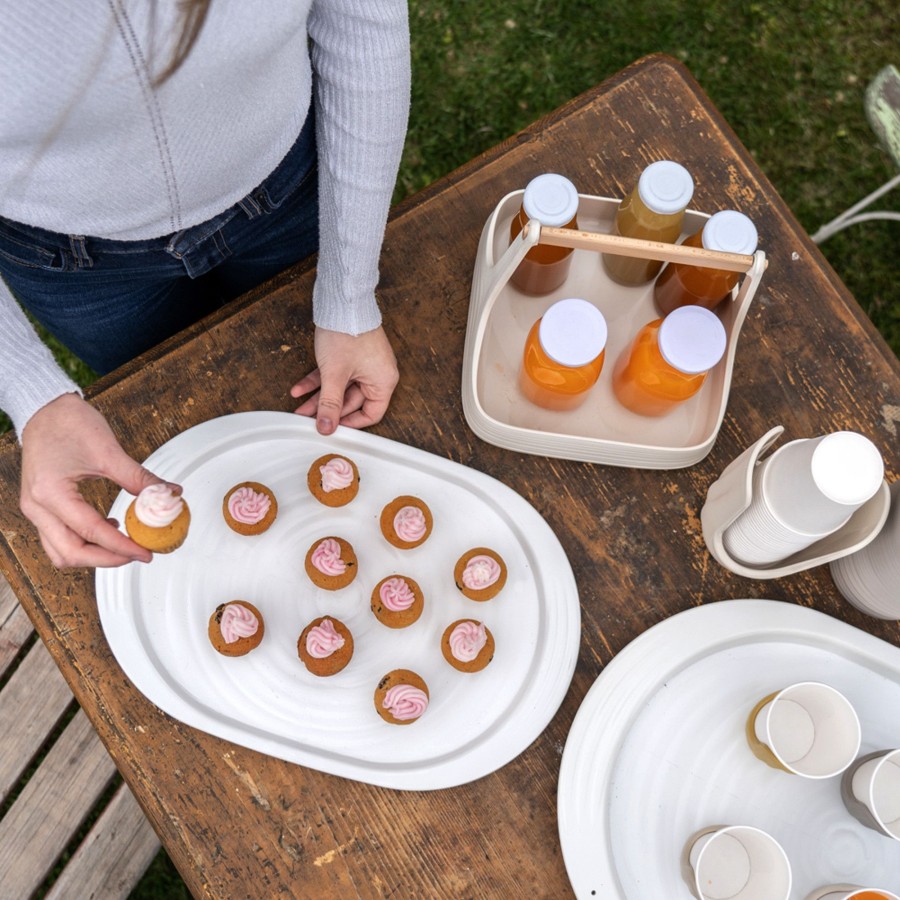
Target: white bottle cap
[[572, 332], [692, 339], [730, 232], [847, 468], [551, 199], [665, 187]]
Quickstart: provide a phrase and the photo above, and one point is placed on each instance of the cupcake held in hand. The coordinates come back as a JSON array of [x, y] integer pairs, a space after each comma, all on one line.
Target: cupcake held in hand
[[158, 519]]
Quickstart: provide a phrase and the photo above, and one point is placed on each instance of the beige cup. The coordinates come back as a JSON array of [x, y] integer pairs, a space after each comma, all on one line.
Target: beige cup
[[870, 790], [738, 862], [807, 729], [851, 892]]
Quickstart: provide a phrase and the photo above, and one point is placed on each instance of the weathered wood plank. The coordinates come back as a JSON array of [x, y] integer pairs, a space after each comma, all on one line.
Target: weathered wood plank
[[52, 806], [31, 704], [15, 626], [114, 855]]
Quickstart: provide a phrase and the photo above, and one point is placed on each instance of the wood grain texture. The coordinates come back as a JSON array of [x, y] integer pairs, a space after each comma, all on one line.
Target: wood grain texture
[[238, 823]]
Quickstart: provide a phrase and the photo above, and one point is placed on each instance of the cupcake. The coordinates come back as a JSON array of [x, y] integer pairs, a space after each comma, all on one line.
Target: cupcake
[[467, 645], [401, 697], [480, 574], [249, 508], [406, 522], [333, 480], [397, 601], [331, 563], [236, 628], [158, 519], [325, 646]]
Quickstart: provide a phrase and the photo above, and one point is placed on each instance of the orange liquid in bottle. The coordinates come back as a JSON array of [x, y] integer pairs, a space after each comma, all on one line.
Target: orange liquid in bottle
[[550, 384], [645, 383], [682, 285], [544, 268]]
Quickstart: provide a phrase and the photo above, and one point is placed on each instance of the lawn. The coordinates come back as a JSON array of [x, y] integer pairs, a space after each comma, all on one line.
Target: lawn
[[789, 78]]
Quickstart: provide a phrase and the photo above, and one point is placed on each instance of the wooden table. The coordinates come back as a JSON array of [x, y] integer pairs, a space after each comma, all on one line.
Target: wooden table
[[238, 823]]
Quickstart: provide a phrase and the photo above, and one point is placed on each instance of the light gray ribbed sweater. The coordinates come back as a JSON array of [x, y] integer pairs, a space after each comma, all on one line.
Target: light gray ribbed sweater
[[88, 147]]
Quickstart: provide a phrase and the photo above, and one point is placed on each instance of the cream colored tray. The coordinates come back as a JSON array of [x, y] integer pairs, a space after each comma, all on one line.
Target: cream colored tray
[[658, 751], [732, 493], [601, 430], [155, 616]]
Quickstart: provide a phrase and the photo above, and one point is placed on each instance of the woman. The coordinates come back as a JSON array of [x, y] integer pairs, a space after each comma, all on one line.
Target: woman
[[159, 158]]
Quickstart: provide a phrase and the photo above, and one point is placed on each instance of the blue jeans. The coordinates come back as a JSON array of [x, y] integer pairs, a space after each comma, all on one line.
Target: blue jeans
[[109, 300]]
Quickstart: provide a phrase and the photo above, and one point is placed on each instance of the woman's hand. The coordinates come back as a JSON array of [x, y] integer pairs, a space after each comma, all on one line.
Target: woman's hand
[[353, 383], [65, 442]]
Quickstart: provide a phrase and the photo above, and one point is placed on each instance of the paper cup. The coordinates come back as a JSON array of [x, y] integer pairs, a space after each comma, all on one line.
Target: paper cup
[[807, 729], [851, 892], [738, 862], [870, 790]]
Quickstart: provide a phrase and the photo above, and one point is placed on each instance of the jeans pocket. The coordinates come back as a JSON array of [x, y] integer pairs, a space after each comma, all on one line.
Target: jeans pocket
[[20, 247]]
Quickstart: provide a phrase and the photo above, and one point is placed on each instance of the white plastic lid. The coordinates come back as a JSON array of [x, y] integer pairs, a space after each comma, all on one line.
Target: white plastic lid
[[730, 232], [692, 339], [572, 332], [665, 187], [551, 199], [847, 468]]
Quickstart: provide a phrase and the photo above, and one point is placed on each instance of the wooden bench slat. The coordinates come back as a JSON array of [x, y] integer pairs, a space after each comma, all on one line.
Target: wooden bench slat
[[113, 857], [31, 704], [15, 630], [52, 806]]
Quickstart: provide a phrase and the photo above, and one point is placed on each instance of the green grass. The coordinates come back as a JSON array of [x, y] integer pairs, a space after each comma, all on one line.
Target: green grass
[[789, 78]]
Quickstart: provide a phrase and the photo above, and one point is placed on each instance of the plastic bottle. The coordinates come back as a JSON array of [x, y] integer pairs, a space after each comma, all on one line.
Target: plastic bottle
[[680, 284], [563, 354], [668, 361], [653, 211], [553, 201]]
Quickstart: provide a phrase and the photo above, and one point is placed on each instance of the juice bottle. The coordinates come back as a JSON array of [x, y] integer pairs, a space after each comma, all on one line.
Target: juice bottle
[[653, 211], [668, 361], [680, 284], [553, 201], [563, 355]]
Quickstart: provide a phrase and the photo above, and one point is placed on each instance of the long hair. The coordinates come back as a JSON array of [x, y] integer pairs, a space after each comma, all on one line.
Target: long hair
[[193, 15]]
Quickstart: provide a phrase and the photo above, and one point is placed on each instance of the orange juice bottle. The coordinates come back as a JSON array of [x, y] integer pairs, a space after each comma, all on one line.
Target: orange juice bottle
[[563, 354], [668, 361], [653, 211], [680, 284], [553, 201]]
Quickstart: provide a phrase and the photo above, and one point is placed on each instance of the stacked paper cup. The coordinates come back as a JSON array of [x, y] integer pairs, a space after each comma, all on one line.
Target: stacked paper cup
[[803, 492], [870, 578]]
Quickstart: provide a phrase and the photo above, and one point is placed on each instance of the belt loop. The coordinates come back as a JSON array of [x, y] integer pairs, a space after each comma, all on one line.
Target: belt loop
[[78, 246]]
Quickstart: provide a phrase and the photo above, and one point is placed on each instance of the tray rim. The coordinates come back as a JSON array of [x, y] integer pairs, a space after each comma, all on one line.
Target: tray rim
[[676, 642], [434, 774], [489, 279]]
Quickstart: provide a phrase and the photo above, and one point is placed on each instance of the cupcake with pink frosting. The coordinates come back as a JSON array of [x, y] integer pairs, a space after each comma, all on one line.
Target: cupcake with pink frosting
[[480, 574], [333, 480], [158, 519], [236, 628], [331, 563], [397, 601], [325, 646], [467, 645], [249, 508], [406, 522], [401, 697]]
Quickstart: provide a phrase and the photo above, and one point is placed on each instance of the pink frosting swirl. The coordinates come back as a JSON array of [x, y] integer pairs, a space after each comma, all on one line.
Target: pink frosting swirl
[[248, 506], [409, 523], [156, 506], [467, 640], [327, 558], [403, 702], [396, 594], [237, 622], [323, 639], [480, 572], [337, 474]]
